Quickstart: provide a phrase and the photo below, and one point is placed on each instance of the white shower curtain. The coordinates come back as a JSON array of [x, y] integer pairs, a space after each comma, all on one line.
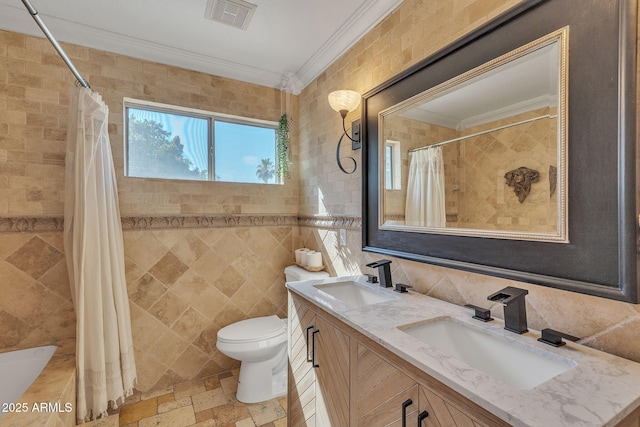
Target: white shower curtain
[[425, 189], [93, 245]]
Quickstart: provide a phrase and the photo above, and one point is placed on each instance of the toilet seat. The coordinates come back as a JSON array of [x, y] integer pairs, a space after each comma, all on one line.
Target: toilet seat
[[253, 330]]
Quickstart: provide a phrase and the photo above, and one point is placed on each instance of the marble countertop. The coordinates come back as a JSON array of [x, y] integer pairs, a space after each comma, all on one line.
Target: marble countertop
[[600, 390]]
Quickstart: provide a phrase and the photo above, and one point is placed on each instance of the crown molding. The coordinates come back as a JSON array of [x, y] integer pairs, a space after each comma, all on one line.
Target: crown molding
[[18, 19], [370, 13], [357, 26]]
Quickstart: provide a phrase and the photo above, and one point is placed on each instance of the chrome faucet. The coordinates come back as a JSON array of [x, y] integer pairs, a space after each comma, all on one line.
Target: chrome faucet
[[515, 311], [384, 270]]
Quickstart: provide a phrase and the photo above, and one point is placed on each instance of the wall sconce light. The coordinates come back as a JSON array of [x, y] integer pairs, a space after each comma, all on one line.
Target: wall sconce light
[[344, 102]]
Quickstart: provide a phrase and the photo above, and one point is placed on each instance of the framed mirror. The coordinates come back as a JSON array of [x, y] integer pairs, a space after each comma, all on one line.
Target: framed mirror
[[484, 153], [560, 214]]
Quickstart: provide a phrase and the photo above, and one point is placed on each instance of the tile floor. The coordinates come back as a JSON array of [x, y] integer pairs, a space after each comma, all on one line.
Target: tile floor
[[201, 403]]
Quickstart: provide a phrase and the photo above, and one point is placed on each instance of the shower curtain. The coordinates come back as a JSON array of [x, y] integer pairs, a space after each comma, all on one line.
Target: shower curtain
[[93, 245], [425, 189]]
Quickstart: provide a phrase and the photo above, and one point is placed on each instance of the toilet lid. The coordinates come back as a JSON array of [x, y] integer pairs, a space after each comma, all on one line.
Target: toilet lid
[[256, 329]]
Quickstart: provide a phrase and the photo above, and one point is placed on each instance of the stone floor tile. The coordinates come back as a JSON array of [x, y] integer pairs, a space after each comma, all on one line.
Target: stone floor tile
[[138, 411], [209, 399], [229, 385], [166, 398], [209, 402], [188, 388], [212, 382], [229, 413], [174, 404], [134, 398], [205, 415], [225, 375], [181, 417], [266, 412], [247, 422], [110, 421], [156, 393]]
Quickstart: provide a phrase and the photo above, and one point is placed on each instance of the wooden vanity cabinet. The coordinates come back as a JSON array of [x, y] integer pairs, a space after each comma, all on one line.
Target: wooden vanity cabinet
[[382, 382], [318, 368], [301, 396], [357, 382]]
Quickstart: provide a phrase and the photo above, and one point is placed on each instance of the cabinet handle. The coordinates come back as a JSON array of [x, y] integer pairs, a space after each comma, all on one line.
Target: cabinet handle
[[404, 411], [422, 416], [308, 329], [313, 349]]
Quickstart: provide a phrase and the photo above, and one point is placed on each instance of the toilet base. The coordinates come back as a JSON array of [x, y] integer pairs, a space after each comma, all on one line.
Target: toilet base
[[261, 381]]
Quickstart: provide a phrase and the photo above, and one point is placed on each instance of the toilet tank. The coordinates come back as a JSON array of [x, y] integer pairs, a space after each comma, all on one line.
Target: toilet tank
[[293, 273]]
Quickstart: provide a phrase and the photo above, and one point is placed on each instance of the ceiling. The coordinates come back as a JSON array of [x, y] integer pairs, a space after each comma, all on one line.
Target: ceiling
[[519, 85], [294, 39]]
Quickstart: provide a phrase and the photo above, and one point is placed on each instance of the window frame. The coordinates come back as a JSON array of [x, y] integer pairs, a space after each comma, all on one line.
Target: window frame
[[395, 161], [211, 118]]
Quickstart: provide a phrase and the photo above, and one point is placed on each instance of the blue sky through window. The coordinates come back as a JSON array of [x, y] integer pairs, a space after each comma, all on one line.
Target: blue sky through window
[[239, 148]]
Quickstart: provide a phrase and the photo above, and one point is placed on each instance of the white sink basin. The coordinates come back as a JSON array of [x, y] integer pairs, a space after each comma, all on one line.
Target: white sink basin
[[353, 294], [519, 365]]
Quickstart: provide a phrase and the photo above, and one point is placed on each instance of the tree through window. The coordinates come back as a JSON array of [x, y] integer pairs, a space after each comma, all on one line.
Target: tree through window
[[175, 143]]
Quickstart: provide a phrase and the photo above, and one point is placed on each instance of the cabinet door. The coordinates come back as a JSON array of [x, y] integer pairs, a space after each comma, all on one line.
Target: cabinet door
[[332, 375], [380, 389], [301, 399], [442, 413]]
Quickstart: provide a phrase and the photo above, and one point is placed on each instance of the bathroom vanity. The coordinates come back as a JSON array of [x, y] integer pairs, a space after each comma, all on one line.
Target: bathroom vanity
[[361, 355]]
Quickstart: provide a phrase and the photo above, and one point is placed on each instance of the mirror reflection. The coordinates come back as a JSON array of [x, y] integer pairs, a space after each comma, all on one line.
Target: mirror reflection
[[482, 154]]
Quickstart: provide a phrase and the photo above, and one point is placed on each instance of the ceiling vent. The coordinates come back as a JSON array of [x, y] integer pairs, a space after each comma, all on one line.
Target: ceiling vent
[[236, 13]]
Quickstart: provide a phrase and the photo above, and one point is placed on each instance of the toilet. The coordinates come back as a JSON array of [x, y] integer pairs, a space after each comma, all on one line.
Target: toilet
[[260, 344]]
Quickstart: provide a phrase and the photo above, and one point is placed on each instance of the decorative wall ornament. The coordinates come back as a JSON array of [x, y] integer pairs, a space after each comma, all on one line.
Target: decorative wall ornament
[[521, 179]]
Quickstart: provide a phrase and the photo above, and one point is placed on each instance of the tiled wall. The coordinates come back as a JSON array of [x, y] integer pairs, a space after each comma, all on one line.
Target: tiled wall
[[414, 30], [184, 283], [485, 201], [34, 85], [35, 307], [219, 275]]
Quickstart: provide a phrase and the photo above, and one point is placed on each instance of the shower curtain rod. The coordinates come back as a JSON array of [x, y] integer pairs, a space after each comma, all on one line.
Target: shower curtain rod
[[54, 42], [483, 132]]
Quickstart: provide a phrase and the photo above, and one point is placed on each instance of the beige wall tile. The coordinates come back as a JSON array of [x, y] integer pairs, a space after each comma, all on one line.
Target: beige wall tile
[[34, 110], [412, 32], [196, 303]]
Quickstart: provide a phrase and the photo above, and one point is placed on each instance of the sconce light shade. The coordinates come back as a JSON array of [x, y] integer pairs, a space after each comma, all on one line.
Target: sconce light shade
[[344, 101]]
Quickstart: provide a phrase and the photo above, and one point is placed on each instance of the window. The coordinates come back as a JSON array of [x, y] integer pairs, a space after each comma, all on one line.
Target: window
[[169, 142], [392, 169]]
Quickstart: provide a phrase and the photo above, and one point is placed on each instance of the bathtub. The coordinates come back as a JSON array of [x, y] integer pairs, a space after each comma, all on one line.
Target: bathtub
[[18, 370], [38, 386]]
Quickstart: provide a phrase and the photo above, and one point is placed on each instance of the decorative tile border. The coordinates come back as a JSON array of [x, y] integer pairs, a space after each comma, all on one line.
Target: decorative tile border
[[45, 224], [349, 222], [213, 221], [31, 224]]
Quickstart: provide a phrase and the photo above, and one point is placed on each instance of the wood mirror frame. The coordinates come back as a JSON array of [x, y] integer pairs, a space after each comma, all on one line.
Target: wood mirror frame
[[601, 257]]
